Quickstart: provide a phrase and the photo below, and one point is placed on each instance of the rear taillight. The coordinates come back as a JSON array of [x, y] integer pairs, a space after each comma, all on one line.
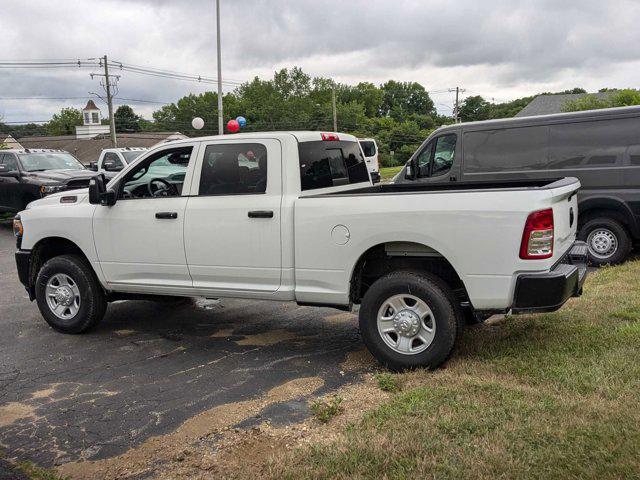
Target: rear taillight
[[330, 137], [537, 238]]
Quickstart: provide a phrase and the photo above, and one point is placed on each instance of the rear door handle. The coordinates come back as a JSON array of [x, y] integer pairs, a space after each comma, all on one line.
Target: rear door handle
[[261, 214], [167, 215]]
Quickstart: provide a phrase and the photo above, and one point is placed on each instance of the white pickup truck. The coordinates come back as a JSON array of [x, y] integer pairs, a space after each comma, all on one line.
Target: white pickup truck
[[293, 216]]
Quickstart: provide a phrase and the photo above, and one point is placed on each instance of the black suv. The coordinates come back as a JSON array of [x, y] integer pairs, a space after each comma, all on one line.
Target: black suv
[[26, 175]]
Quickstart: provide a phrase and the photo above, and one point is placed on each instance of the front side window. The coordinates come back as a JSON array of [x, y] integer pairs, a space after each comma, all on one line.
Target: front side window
[[436, 158], [443, 155], [329, 164], [114, 161], [9, 161], [41, 161], [160, 175], [234, 168]]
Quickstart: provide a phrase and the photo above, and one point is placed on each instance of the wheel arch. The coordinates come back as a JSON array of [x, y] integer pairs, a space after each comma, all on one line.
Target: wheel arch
[[608, 207], [47, 248], [393, 255]]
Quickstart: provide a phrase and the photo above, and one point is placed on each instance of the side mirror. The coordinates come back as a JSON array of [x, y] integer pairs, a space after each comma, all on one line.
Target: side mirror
[[98, 193], [93, 166], [410, 173]]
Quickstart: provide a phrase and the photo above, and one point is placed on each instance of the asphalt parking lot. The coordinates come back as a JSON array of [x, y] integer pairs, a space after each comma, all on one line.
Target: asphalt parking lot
[[150, 367]]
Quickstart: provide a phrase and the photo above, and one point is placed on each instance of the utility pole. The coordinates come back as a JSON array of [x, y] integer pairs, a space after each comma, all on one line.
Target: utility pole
[[111, 89], [112, 121], [335, 112], [456, 109], [220, 115]]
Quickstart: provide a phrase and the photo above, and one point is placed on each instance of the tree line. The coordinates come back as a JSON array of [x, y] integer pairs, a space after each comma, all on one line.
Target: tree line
[[399, 115]]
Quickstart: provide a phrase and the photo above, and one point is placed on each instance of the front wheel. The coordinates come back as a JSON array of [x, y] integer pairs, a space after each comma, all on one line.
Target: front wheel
[[68, 294], [607, 240], [409, 320]]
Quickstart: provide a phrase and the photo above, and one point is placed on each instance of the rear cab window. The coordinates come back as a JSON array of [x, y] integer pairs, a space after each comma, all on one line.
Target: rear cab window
[[325, 164]]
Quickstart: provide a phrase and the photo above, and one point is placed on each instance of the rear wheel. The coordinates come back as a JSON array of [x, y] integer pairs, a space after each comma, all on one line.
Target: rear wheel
[[409, 320], [68, 294], [607, 240]]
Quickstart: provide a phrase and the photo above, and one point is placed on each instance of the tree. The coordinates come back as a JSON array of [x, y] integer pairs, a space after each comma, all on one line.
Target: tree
[[64, 123], [126, 120], [401, 99], [620, 98], [474, 108]]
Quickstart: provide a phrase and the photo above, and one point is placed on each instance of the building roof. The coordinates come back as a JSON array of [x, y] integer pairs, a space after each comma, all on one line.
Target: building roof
[[88, 150], [548, 104], [90, 106]]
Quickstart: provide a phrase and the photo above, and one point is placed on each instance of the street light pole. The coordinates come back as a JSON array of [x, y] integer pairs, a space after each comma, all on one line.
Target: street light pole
[[220, 114]]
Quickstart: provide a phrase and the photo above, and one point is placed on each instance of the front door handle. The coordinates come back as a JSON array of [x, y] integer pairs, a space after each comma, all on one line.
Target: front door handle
[[261, 214], [167, 215]]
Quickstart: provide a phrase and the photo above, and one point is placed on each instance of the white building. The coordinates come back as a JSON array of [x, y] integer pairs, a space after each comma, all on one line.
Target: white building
[[92, 123]]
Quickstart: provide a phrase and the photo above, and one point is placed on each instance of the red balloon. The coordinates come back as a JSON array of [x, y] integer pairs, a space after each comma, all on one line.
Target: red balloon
[[233, 126]]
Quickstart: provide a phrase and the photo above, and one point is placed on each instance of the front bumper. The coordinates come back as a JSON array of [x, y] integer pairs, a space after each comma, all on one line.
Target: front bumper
[[23, 263], [548, 291]]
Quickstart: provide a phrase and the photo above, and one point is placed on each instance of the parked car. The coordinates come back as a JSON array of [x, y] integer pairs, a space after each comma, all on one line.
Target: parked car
[[115, 159], [370, 150], [30, 174], [601, 148], [293, 216]]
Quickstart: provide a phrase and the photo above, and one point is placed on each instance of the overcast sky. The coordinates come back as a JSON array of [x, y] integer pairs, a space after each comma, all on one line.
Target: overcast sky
[[500, 49]]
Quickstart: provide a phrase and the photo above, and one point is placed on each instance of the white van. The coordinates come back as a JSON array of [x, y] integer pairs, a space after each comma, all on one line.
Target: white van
[[370, 150]]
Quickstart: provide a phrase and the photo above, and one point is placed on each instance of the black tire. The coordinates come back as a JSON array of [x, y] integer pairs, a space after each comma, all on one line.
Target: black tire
[[607, 226], [439, 298], [92, 305]]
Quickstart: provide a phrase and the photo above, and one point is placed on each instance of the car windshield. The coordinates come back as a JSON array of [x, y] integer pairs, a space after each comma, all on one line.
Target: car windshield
[[131, 156], [39, 161]]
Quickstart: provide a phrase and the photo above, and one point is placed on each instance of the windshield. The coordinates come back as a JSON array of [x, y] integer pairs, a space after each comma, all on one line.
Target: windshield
[[131, 156], [33, 162], [369, 148]]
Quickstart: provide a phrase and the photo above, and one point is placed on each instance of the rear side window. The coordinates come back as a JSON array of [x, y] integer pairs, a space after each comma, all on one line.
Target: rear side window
[[592, 144], [234, 168], [330, 164], [369, 148], [507, 149]]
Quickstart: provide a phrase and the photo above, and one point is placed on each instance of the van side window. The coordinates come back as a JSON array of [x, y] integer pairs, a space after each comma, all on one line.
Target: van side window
[[508, 149], [234, 168], [591, 144], [433, 162]]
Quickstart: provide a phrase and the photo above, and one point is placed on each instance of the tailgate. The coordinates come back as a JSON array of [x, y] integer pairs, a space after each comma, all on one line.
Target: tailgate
[[564, 201]]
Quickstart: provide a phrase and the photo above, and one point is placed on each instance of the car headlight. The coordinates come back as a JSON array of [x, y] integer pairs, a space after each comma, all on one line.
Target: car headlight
[[48, 189]]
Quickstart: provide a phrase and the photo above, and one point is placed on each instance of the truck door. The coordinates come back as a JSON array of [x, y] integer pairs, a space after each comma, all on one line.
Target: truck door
[[232, 220], [139, 240], [10, 186]]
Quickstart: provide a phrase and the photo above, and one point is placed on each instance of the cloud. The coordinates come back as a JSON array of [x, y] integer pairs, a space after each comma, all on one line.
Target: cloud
[[496, 48]]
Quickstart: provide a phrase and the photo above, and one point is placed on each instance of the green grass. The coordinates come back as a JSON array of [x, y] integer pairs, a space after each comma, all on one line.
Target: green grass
[[388, 382], [553, 396], [325, 410], [387, 173]]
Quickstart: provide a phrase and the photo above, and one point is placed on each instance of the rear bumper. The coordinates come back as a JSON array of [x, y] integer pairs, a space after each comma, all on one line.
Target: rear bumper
[[548, 291]]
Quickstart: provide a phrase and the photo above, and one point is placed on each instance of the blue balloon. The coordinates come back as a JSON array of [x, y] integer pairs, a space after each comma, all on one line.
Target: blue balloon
[[241, 121]]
